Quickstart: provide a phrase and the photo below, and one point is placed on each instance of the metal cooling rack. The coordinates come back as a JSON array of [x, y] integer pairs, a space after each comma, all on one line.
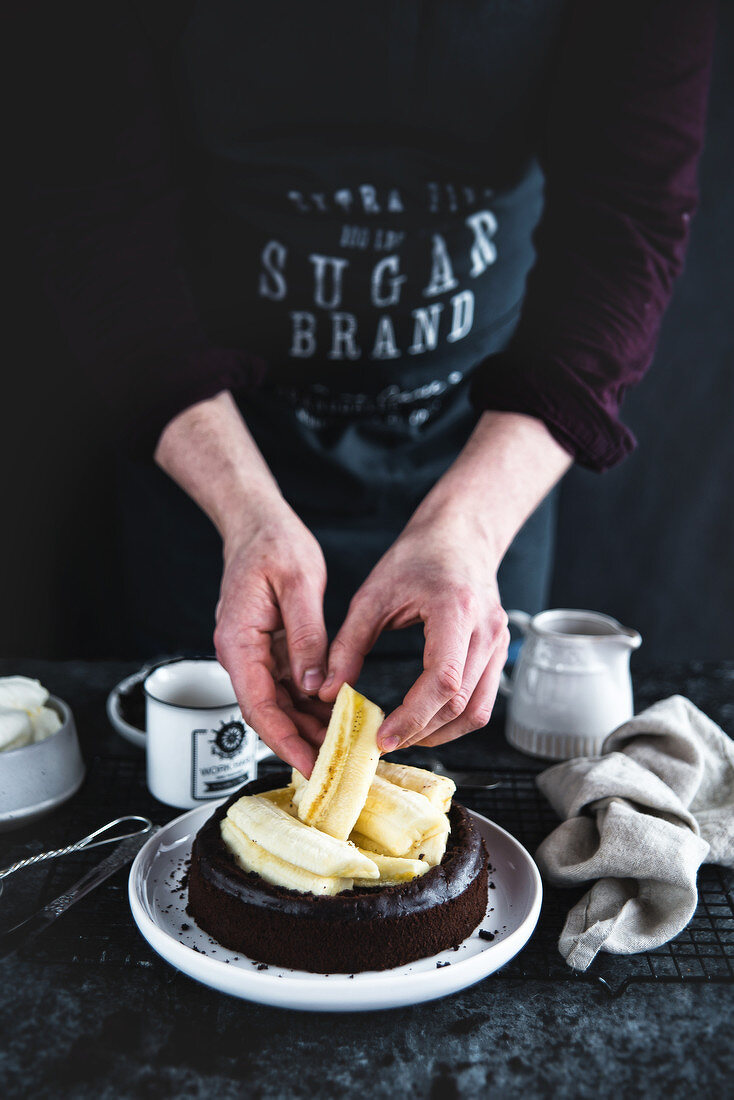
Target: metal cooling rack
[[101, 932], [703, 952]]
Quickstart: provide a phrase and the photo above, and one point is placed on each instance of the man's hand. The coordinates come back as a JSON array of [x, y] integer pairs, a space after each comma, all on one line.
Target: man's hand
[[270, 633], [442, 571]]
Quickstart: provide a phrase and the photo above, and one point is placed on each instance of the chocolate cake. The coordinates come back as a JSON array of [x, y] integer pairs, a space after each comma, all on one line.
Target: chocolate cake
[[360, 929]]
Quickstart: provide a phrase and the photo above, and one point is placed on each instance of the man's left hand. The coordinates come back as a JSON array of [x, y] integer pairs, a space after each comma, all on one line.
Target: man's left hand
[[440, 572]]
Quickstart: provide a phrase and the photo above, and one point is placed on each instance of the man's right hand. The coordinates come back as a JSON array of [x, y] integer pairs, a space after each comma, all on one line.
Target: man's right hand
[[272, 593], [270, 633]]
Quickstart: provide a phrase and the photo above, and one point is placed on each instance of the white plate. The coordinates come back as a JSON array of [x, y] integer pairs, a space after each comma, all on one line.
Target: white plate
[[132, 733], [158, 906]]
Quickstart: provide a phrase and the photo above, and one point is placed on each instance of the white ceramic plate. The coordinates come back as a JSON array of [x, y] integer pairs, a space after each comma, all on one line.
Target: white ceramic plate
[[158, 904], [132, 733]]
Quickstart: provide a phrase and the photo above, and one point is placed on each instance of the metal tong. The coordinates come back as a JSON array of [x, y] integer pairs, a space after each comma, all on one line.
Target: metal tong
[[94, 840]]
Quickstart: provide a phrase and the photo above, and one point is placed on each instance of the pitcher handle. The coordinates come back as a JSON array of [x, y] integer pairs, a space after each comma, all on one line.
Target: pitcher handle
[[521, 620]]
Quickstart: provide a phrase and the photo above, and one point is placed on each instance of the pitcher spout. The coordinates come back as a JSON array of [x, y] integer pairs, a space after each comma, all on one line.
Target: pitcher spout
[[631, 639]]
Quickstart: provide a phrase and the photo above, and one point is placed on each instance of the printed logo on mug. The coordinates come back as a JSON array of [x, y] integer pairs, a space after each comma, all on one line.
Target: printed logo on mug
[[199, 746]]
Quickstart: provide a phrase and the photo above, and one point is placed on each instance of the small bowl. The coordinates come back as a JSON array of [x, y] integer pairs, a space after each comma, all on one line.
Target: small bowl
[[35, 779]]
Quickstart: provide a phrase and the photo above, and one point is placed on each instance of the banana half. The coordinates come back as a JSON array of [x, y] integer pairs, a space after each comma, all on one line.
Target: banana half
[[331, 800], [274, 830], [397, 819], [438, 789], [252, 857], [357, 821]]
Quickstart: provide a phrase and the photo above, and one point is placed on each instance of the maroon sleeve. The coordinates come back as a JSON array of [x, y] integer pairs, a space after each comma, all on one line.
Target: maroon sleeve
[[623, 134], [103, 223]]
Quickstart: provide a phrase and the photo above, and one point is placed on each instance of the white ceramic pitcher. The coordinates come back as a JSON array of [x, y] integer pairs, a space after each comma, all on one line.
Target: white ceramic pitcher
[[571, 684]]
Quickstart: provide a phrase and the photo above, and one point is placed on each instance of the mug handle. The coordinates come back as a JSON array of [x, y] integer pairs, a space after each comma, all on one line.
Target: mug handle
[[521, 620]]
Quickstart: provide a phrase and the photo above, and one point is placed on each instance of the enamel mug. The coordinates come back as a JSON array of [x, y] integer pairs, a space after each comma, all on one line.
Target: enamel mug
[[199, 746], [571, 684]]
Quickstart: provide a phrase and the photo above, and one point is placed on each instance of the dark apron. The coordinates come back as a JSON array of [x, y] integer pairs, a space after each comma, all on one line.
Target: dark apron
[[364, 197]]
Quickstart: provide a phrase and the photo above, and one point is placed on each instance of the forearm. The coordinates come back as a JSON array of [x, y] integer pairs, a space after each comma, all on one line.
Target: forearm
[[619, 160], [210, 454], [507, 467], [441, 572]]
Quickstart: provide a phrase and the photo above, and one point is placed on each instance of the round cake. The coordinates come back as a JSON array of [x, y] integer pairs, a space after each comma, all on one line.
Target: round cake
[[360, 929]]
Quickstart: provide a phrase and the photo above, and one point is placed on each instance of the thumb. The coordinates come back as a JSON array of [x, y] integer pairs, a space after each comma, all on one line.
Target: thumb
[[357, 634], [301, 607]]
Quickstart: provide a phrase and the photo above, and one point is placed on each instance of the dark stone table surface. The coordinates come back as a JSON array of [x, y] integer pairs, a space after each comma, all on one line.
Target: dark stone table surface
[[89, 1010]]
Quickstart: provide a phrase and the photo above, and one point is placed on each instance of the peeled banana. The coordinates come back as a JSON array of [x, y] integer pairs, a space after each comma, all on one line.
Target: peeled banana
[[397, 818], [283, 798], [393, 870], [252, 857], [365, 844], [431, 849], [273, 829], [333, 797], [356, 821], [299, 783], [438, 789]]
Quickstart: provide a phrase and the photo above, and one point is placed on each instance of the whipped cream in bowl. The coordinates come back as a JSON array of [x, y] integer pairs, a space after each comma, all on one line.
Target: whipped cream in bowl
[[40, 761], [25, 717]]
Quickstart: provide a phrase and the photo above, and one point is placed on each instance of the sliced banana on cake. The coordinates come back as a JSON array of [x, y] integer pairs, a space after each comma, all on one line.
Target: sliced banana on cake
[[274, 830], [431, 849], [299, 784], [428, 850], [283, 798], [331, 800], [366, 844], [394, 870], [438, 789], [357, 820], [252, 857], [397, 818]]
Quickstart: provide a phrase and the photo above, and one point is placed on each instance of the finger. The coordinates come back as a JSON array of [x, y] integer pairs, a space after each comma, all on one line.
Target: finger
[[356, 636], [477, 658], [480, 706], [248, 663], [301, 605], [309, 726], [481, 647], [281, 660], [304, 704], [444, 659]]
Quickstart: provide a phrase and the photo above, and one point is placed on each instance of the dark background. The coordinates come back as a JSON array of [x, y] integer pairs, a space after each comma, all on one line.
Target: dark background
[[651, 542]]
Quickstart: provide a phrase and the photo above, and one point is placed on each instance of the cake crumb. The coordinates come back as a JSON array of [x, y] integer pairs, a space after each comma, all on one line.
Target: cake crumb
[[263, 966], [485, 935], [439, 965]]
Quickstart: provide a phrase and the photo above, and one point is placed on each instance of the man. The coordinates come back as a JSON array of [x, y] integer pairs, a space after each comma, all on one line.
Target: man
[[363, 213]]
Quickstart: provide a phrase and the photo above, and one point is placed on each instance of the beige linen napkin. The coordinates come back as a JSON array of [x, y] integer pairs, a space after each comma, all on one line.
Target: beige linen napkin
[[641, 818]]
